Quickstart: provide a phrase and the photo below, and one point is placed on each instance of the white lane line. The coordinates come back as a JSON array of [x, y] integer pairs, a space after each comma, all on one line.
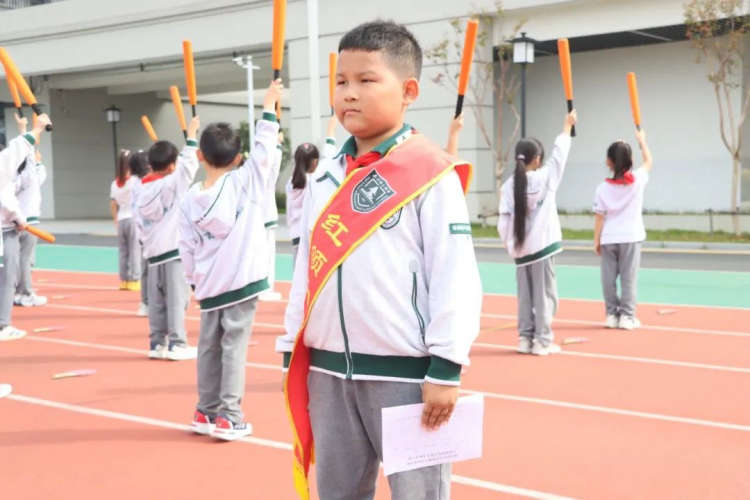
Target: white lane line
[[614, 411], [495, 395], [636, 359], [510, 295], [675, 329], [269, 443], [486, 315]]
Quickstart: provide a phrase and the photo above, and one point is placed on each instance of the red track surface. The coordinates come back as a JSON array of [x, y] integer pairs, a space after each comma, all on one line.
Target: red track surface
[[663, 412]]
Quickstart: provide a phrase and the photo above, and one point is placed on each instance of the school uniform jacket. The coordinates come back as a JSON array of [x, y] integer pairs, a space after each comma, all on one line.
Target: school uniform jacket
[[157, 207], [29, 189], [543, 232], [222, 241], [405, 305], [270, 210]]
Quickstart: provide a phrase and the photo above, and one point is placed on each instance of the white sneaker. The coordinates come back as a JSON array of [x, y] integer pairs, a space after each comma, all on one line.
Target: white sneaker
[[17, 299], [158, 352], [11, 333], [541, 350], [33, 300], [142, 310], [612, 321], [524, 345], [182, 352], [629, 323]]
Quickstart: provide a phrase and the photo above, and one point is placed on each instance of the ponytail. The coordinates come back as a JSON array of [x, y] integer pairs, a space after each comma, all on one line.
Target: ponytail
[[304, 157], [526, 151], [123, 169], [621, 156]]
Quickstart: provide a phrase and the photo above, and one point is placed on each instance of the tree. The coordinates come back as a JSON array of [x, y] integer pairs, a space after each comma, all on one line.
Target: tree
[[487, 76], [718, 29]]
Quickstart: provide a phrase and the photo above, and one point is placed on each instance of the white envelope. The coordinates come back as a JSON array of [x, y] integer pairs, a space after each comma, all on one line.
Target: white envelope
[[408, 445]]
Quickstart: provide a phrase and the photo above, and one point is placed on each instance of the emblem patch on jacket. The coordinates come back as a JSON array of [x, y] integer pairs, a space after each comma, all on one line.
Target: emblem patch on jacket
[[370, 193]]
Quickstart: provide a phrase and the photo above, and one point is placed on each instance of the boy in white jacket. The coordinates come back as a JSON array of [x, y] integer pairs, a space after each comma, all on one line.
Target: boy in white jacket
[[386, 297], [13, 220], [29, 193], [223, 248], [157, 209]]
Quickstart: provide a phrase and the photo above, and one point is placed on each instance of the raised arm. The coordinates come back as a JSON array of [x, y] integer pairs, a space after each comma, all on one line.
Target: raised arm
[[648, 160], [455, 129]]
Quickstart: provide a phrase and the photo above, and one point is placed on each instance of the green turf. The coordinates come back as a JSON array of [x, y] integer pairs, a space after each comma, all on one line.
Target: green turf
[[709, 288], [479, 231]]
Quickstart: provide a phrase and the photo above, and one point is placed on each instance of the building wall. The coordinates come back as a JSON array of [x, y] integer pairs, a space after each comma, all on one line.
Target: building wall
[[93, 35], [82, 140], [692, 170]]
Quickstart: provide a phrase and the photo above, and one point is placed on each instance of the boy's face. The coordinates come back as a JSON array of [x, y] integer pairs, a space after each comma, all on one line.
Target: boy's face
[[370, 97]]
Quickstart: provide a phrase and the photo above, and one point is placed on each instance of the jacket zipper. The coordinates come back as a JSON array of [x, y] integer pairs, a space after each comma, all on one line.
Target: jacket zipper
[[420, 319], [347, 352]]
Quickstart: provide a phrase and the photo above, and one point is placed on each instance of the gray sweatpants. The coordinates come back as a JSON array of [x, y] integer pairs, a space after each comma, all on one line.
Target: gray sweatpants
[[620, 259], [144, 281], [167, 301], [8, 275], [129, 249], [222, 354], [537, 300], [347, 428], [27, 244]]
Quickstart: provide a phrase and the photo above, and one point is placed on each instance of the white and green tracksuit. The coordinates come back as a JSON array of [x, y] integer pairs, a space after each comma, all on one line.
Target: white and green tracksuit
[[405, 304], [157, 214], [535, 274], [225, 254]]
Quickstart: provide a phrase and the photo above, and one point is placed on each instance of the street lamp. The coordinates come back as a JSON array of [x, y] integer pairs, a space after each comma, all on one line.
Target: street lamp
[[523, 54], [247, 63], [113, 116]]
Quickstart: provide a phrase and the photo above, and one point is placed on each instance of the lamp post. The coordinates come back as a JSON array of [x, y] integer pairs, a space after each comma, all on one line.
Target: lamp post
[[523, 54], [113, 116], [247, 63]]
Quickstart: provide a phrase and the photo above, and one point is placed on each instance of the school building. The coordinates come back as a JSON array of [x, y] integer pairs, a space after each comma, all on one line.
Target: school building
[[84, 56]]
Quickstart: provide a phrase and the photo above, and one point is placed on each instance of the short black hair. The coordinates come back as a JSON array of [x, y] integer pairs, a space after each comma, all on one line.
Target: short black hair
[[138, 163], [220, 144], [161, 155], [399, 47]]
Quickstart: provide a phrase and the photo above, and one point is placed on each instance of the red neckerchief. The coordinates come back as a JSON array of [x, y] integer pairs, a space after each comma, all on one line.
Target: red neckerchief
[[121, 184], [626, 179], [364, 160], [153, 176]]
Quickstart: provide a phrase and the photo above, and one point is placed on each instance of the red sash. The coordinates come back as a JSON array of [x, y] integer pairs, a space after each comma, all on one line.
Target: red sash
[[366, 199]]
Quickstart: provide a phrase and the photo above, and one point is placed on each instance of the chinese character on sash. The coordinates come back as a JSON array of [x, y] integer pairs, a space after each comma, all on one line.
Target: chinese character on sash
[[317, 260], [334, 227]]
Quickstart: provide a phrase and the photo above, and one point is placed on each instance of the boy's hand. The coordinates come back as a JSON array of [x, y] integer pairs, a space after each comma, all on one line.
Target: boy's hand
[[41, 123], [570, 120], [456, 125], [273, 95], [640, 136], [192, 131], [439, 401], [22, 123], [281, 137], [597, 247], [38, 156]]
